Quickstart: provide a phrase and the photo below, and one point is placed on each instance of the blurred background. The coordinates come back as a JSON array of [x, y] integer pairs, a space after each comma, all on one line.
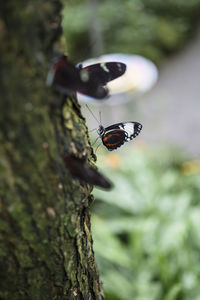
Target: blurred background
[[147, 229]]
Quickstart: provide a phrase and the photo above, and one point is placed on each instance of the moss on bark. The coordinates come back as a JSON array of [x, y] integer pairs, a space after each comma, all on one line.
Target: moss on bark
[[45, 238]]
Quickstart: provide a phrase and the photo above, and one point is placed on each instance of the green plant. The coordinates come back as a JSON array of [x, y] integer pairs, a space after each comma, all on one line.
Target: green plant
[[146, 230], [150, 28]]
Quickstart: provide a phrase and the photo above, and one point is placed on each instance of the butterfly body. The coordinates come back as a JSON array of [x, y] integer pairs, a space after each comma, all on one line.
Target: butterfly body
[[116, 135], [90, 80]]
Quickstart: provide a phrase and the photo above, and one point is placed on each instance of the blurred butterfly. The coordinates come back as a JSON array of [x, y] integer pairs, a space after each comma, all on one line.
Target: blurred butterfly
[[116, 135], [82, 171], [90, 80]]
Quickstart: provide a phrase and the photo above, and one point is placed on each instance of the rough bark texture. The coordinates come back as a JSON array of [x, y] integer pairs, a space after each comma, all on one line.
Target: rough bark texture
[[45, 238]]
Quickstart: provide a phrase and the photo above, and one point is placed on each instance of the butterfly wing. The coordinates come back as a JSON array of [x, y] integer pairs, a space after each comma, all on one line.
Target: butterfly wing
[[105, 72], [67, 78], [82, 171], [114, 138], [116, 135], [97, 76], [88, 81], [91, 85]]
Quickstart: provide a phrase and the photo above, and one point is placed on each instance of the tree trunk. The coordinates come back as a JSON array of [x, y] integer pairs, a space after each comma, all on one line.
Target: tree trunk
[[45, 237]]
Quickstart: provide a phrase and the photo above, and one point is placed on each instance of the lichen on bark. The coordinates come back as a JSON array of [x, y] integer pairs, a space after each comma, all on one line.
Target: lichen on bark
[[45, 237]]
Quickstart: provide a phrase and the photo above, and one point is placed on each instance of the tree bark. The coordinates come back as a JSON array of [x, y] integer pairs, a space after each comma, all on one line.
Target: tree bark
[[45, 236]]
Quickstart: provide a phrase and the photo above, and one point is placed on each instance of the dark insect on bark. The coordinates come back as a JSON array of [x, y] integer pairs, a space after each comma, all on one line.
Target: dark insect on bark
[[82, 171]]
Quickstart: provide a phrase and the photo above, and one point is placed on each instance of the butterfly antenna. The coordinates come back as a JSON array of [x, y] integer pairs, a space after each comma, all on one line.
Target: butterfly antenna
[[100, 116], [92, 130], [92, 113]]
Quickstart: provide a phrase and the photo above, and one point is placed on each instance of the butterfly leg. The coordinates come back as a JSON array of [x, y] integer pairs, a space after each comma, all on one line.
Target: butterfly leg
[[95, 141], [97, 148]]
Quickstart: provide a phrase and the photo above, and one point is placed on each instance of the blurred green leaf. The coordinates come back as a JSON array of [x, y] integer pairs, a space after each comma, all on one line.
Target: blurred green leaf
[[151, 28], [107, 245], [173, 292], [146, 232]]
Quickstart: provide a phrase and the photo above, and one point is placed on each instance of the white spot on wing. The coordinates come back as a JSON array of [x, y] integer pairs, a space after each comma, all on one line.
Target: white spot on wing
[[103, 65], [119, 66], [129, 129], [84, 75]]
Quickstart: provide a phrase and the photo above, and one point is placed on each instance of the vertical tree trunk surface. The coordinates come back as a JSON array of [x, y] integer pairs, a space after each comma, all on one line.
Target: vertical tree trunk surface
[[45, 236]]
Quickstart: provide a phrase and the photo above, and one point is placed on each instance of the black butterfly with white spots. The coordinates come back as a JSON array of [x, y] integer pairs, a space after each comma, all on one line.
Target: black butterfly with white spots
[[90, 80], [116, 135]]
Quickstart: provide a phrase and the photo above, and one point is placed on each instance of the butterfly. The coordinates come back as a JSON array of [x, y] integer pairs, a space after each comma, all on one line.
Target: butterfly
[[116, 135], [90, 80], [82, 171]]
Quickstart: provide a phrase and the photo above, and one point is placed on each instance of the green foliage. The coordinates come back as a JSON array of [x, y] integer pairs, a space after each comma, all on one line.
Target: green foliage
[[152, 28], [146, 230]]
